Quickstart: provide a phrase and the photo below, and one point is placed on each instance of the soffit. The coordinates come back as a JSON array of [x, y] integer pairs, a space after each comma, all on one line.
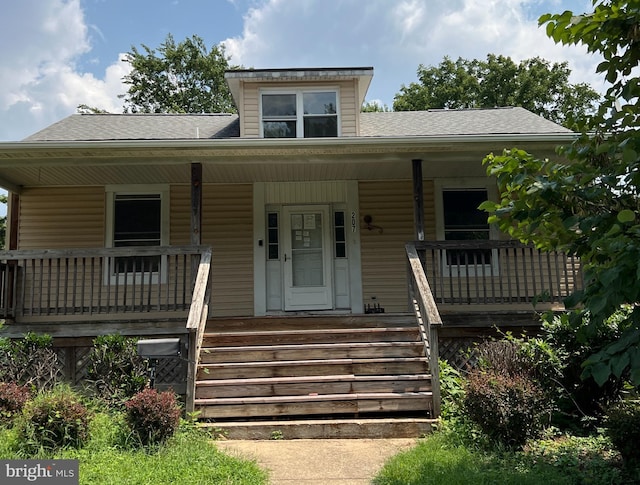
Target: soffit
[[87, 165]]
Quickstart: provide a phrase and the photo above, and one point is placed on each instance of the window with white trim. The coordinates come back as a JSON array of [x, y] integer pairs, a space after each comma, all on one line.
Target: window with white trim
[[463, 221], [137, 217], [299, 114]]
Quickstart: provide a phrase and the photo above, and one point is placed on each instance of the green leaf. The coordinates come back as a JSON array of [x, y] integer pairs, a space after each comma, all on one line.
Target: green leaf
[[615, 229], [619, 364], [626, 215], [488, 206], [629, 156], [601, 372]]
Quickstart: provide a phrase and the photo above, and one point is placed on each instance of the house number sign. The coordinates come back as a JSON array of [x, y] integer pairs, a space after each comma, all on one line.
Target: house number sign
[[354, 221]]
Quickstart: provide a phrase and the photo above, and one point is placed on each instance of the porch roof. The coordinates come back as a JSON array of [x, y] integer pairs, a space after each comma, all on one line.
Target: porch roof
[[100, 149]]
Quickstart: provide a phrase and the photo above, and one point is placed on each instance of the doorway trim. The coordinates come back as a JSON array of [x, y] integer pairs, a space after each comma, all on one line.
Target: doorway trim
[[344, 193]]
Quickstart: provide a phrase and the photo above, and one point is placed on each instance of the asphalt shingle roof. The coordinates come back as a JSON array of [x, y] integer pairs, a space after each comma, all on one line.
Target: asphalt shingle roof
[[86, 127], [456, 122]]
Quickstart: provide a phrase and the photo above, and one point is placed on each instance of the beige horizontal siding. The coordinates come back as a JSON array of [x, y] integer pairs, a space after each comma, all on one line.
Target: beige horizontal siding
[[54, 218], [349, 109], [250, 111], [227, 225], [384, 262]]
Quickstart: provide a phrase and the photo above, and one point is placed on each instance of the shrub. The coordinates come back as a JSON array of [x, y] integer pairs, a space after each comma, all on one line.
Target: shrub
[[502, 357], [12, 399], [581, 397], [623, 428], [153, 416], [115, 368], [30, 361], [509, 409], [53, 419], [451, 388]]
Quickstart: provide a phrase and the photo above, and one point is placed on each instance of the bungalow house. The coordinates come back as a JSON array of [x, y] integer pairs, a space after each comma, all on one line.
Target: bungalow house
[[305, 254]]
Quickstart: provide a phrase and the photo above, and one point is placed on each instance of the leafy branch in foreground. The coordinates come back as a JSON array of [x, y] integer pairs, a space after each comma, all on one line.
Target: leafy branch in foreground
[[588, 203]]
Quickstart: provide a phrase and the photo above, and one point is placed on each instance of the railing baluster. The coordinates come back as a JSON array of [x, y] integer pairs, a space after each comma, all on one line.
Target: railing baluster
[[492, 276], [33, 283], [75, 281], [550, 276], [483, 269], [532, 253], [185, 279]]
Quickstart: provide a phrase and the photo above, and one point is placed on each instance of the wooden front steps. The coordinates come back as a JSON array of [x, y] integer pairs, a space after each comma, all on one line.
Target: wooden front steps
[[342, 376]]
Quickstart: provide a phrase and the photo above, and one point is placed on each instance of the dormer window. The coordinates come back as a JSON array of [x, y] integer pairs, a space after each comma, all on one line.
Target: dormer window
[[299, 114]]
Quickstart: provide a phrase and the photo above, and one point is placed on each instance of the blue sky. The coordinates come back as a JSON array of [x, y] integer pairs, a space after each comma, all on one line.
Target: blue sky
[[60, 53]]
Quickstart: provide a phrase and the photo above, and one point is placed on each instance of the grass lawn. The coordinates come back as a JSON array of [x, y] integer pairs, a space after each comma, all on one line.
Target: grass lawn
[[190, 457], [438, 459]]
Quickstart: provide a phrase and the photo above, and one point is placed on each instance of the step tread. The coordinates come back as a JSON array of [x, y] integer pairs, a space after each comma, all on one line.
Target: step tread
[[284, 363], [322, 428], [304, 379], [319, 421], [313, 398], [321, 331], [339, 345]]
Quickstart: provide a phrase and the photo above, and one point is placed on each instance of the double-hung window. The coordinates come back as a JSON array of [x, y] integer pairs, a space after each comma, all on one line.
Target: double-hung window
[[136, 217], [299, 114], [463, 221]]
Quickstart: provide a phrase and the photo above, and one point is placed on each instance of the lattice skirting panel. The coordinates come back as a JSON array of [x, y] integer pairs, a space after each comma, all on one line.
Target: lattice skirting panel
[[458, 351], [456, 345], [171, 373]]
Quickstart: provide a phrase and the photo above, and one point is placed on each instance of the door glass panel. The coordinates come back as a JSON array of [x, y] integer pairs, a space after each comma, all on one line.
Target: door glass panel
[[306, 249]]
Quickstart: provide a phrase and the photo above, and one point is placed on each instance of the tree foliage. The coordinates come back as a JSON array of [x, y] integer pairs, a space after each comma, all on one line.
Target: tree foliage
[[534, 84], [588, 202], [186, 77], [374, 107]]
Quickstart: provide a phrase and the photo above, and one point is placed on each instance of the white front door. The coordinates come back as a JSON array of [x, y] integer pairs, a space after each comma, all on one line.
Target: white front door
[[307, 257]]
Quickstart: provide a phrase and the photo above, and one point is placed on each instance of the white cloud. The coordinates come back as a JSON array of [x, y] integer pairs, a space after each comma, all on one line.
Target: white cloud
[[39, 83], [395, 36]]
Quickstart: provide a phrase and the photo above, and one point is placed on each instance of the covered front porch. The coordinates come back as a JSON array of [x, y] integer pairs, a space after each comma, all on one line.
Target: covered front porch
[[211, 300], [455, 296]]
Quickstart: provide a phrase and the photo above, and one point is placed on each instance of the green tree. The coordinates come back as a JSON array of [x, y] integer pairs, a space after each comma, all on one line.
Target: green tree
[[534, 84], [86, 109], [588, 201], [178, 78], [374, 107]]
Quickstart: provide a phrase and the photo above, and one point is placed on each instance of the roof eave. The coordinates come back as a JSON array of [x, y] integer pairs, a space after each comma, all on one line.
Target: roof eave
[[43, 146]]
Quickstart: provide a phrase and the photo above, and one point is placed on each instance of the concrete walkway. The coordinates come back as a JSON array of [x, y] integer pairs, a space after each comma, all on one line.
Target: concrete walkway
[[319, 462]]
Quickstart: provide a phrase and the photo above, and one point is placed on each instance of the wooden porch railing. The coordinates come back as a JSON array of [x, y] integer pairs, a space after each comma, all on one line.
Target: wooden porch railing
[[497, 272], [429, 321], [196, 324], [93, 283]]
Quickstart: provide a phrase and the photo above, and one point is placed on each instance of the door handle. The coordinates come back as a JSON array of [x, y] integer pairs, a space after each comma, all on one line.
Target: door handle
[[285, 257]]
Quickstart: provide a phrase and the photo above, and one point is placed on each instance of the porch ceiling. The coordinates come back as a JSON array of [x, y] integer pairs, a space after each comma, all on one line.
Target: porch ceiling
[[100, 163]]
